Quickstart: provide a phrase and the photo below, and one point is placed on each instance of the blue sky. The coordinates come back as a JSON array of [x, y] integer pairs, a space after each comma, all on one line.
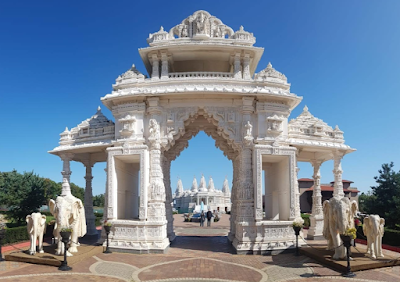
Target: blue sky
[[57, 58]]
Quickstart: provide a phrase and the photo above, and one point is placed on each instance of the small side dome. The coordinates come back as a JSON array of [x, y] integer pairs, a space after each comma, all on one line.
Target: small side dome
[[130, 76], [270, 74]]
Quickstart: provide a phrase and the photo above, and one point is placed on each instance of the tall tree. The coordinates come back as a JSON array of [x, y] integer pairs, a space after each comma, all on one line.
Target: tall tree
[[21, 193], [387, 195], [98, 200]]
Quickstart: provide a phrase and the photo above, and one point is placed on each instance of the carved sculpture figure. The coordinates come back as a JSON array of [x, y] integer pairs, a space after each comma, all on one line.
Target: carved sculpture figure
[[154, 130], [69, 212], [36, 229], [339, 215], [249, 129], [374, 228]]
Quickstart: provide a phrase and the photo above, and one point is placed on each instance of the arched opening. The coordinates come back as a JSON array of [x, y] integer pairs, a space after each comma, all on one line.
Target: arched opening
[[209, 156]]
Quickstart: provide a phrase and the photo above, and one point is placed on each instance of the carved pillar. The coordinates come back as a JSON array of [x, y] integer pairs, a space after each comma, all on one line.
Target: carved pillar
[[156, 65], [168, 192], [90, 217], [337, 171], [246, 67], [317, 216], [246, 231], [105, 197], [164, 66], [237, 67], [297, 212], [207, 201], [105, 217], [66, 173], [232, 230], [156, 191]]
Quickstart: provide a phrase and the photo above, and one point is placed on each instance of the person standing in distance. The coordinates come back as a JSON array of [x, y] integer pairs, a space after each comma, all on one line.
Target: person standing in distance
[[209, 217]]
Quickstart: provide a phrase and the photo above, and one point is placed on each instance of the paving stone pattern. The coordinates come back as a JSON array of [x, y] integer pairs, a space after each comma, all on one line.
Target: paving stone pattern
[[202, 257]]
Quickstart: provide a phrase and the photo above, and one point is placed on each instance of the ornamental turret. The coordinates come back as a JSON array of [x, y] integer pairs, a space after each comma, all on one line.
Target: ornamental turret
[[211, 187], [225, 187], [194, 185], [179, 188], [202, 187]]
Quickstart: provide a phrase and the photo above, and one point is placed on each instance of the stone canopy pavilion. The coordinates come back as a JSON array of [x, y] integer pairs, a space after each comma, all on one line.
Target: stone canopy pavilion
[[202, 76]]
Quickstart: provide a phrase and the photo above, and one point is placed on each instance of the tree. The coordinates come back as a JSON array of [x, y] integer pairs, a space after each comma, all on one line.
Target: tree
[[98, 200], [78, 192], [367, 203], [21, 193], [51, 190], [387, 195]]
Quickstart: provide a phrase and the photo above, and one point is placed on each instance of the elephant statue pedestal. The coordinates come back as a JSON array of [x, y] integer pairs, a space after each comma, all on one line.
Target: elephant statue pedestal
[[69, 212], [36, 225], [339, 216], [373, 228]]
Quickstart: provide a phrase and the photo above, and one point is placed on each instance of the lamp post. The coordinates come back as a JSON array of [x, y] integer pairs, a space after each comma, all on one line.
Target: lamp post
[[347, 243], [107, 228], [65, 239], [297, 233], [2, 236]]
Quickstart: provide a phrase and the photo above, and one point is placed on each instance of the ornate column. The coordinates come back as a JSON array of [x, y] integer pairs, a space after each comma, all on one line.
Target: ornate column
[[246, 67], [164, 66], [237, 67], [246, 230], [168, 192], [232, 231], [156, 65], [317, 216], [337, 171], [156, 203], [90, 217], [297, 212], [66, 173]]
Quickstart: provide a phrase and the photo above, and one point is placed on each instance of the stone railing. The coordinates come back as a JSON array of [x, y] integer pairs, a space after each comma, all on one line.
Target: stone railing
[[199, 74]]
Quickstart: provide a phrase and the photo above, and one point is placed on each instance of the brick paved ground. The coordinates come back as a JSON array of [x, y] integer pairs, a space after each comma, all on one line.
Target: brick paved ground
[[202, 257]]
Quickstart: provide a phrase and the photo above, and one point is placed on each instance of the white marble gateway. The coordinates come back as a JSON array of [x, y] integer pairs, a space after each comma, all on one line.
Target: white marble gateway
[[202, 76], [215, 200]]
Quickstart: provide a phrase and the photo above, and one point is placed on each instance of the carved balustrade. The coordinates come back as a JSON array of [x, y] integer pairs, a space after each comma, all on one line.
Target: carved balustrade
[[200, 74]]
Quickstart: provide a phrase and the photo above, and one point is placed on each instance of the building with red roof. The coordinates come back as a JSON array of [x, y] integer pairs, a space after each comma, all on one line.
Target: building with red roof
[[306, 187]]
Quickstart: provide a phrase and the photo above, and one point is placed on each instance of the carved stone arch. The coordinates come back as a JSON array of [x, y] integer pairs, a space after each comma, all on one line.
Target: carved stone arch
[[178, 120]]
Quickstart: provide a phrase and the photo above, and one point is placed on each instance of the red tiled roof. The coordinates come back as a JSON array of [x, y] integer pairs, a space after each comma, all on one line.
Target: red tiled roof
[[305, 179], [330, 188], [345, 181]]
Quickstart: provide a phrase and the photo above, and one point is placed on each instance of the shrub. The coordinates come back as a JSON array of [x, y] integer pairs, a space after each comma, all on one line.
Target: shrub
[[98, 215], [15, 234], [306, 218], [46, 213], [391, 237], [98, 221]]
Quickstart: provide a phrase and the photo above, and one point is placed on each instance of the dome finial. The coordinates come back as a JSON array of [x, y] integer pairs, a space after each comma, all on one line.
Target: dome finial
[[305, 108], [269, 65], [98, 108]]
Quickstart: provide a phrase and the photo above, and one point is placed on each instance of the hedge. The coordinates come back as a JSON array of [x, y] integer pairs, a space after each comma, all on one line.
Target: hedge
[[306, 218], [15, 234], [391, 237]]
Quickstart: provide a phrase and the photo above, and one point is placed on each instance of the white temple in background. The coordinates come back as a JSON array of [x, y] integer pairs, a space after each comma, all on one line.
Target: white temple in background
[[202, 77], [190, 200]]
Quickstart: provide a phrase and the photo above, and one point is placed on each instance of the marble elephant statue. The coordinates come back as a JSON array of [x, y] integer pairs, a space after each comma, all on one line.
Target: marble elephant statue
[[339, 215], [373, 228], [68, 212], [36, 225]]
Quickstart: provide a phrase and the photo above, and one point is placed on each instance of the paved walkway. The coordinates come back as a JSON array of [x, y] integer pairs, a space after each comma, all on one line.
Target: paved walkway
[[191, 258]]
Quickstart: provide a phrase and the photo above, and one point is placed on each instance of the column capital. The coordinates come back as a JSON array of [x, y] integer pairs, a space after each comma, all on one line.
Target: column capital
[[66, 156], [316, 163]]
